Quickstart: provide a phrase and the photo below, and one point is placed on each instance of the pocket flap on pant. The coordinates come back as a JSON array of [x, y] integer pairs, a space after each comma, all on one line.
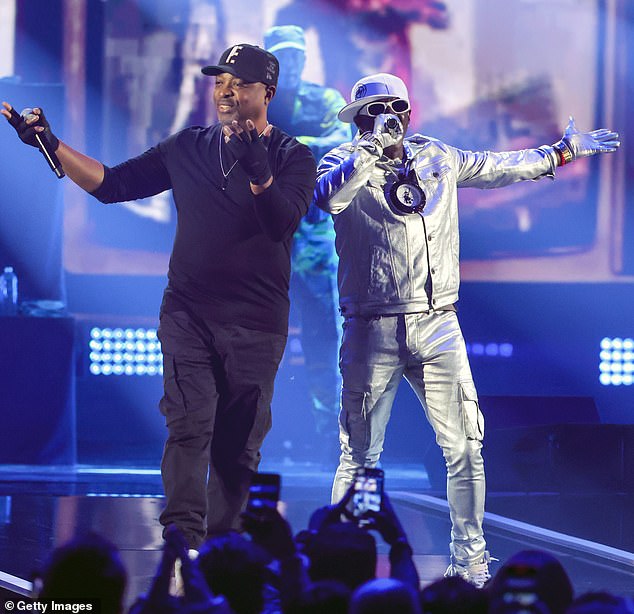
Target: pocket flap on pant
[[472, 417]]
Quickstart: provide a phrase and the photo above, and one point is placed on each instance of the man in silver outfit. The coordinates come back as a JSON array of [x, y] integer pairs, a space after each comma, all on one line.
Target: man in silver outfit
[[395, 209]]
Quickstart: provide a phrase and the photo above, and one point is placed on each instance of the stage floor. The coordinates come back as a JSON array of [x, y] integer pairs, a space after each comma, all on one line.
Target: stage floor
[[41, 508]]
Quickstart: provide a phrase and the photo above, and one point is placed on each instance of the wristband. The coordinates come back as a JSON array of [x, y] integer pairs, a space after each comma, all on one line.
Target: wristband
[[564, 152]]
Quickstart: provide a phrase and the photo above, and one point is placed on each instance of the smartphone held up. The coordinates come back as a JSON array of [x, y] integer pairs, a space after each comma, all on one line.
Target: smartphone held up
[[368, 493], [264, 491]]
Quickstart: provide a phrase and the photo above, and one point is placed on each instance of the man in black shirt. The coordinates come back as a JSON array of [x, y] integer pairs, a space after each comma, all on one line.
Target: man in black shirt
[[241, 187]]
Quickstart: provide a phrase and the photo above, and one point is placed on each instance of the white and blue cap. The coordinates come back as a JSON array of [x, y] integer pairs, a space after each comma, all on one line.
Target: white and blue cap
[[381, 86]]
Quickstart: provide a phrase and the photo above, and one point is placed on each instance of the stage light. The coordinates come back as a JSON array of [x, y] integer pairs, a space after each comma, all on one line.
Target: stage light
[[490, 349], [616, 361], [124, 495], [477, 349], [506, 349], [124, 351]]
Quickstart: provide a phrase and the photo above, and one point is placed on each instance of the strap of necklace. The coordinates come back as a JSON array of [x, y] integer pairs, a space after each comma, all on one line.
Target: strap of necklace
[[225, 176]]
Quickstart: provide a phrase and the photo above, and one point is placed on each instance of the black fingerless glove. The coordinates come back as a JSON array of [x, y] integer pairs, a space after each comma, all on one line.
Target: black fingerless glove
[[27, 132], [251, 153]]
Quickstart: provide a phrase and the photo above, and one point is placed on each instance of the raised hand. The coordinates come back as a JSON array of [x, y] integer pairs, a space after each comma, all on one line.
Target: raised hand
[[387, 523], [332, 514], [250, 149], [575, 144], [29, 124], [269, 530], [387, 131]]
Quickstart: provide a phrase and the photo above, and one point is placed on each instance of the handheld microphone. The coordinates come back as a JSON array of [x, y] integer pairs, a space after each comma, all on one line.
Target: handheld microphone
[[391, 123], [393, 126], [44, 146]]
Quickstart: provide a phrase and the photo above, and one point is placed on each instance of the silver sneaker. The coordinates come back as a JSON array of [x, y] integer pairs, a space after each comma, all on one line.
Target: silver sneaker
[[476, 573]]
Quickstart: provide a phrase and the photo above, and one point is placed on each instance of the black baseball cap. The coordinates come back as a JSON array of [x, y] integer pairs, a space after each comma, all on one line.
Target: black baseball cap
[[248, 62]]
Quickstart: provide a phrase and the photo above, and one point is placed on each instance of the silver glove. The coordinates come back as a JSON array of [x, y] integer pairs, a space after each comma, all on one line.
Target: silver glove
[[388, 131], [575, 144]]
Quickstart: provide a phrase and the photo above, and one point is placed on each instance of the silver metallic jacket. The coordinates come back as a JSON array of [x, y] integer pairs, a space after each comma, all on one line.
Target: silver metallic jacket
[[390, 262]]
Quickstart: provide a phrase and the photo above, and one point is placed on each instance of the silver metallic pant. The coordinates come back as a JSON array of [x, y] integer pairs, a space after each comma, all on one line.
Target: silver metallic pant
[[428, 349]]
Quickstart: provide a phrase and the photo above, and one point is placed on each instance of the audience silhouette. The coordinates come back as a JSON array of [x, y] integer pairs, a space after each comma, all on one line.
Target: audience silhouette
[[329, 567], [88, 568], [453, 595], [530, 581]]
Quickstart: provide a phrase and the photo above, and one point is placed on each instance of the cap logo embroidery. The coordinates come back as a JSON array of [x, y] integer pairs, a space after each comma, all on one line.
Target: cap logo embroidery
[[233, 54], [270, 69], [361, 91]]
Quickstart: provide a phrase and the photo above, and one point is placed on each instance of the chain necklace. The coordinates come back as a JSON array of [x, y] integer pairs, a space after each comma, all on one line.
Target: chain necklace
[[225, 176]]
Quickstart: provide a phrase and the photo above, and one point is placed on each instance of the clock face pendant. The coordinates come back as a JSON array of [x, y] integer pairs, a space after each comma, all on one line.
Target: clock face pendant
[[406, 196]]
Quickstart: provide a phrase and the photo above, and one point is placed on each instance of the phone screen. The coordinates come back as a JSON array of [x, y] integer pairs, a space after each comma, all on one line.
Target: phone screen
[[368, 492], [264, 490]]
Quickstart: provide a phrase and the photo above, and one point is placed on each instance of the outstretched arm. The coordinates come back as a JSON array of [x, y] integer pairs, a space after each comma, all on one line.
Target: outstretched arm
[[138, 177], [496, 169], [575, 144], [83, 170]]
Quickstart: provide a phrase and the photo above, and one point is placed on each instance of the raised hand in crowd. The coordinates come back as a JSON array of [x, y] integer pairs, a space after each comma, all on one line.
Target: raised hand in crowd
[[196, 598]]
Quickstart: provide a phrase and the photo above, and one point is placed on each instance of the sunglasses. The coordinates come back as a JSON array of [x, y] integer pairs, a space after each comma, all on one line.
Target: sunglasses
[[378, 108]]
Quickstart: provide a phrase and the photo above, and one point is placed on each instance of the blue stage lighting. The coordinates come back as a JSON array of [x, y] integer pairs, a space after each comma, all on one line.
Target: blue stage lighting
[[490, 349], [506, 350], [129, 351], [616, 361], [124, 495]]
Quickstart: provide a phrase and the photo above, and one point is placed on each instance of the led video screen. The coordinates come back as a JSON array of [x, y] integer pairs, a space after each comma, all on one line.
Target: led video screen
[[482, 75]]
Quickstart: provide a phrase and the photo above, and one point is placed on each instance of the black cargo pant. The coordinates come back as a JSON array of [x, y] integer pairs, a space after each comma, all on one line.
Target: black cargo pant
[[218, 385]]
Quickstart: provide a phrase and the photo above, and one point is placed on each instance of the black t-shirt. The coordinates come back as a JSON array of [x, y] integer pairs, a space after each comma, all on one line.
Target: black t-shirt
[[231, 256]]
